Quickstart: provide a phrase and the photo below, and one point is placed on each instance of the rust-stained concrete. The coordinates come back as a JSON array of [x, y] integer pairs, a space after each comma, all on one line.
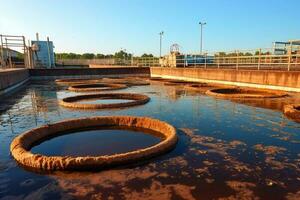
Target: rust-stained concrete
[[245, 93], [292, 111], [75, 81], [74, 101], [96, 87], [130, 81], [21, 145]]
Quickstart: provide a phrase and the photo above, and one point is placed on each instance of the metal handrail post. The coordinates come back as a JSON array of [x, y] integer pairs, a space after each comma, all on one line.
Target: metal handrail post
[[289, 57], [219, 61], [24, 50], [259, 59], [237, 60], [205, 60]]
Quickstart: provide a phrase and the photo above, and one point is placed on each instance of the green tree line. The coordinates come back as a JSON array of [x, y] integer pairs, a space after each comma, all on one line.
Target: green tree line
[[119, 55]]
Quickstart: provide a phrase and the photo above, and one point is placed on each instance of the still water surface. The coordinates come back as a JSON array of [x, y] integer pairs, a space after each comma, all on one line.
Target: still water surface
[[226, 149], [96, 143]]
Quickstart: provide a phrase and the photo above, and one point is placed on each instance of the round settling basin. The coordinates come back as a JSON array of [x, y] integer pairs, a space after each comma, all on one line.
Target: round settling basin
[[178, 82], [158, 79], [21, 146], [96, 87], [203, 87], [126, 81], [245, 93], [75, 81], [292, 111], [76, 101]]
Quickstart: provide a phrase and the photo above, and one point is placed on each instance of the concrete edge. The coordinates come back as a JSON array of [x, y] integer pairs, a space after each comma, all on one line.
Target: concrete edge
[[253, 85], [14, 87], [72, 101], [21, 145]]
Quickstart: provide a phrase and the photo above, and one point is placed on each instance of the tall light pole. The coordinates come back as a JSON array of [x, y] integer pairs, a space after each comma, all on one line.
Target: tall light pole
[[201, 36], [160, 42]]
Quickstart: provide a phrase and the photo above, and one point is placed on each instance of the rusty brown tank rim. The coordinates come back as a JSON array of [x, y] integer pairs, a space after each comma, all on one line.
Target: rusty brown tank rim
[[178, 83], [21, 145], [182, 82], [126, 81], [158, 79], [198, 85], [73, 102], [292, 111], [268, 93], [75, 81], [96, 87]]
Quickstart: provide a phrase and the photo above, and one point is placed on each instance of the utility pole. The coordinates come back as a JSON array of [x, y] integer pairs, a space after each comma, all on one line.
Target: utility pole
[[160, 42], [201, 35]]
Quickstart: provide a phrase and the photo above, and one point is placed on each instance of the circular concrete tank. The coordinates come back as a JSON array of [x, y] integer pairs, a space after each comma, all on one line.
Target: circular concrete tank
[[74, 101], [96, 87], [178, 82], [292, 111], [126, 81], [245, 93], [75, 81], [22, 144], [158, 79]]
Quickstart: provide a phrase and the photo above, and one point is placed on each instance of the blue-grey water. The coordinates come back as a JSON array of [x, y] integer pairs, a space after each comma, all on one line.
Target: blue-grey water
[[227, 149]]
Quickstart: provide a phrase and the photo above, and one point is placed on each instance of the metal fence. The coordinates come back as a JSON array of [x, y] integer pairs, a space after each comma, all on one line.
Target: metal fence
[[259, 60]]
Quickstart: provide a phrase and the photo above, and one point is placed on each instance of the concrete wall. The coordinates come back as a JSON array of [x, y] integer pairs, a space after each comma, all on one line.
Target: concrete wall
[[12, 78], [78, 72], [51, 74], [281, 80], [105, 61]]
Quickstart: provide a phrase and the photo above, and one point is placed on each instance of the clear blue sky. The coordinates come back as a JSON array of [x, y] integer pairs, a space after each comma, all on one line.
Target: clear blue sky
[[105, 26]]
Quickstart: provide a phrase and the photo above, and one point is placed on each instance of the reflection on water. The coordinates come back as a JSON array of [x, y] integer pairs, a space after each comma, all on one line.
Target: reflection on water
[[227, 149], [96, 143]]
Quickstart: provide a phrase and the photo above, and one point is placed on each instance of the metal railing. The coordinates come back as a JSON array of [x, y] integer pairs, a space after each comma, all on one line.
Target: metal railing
[[257, 59], [260, 60], [9, 57]]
